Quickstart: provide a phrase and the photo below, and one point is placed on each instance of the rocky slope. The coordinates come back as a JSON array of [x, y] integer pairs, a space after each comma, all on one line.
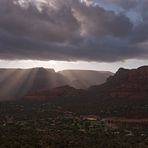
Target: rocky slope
[[126, 83]]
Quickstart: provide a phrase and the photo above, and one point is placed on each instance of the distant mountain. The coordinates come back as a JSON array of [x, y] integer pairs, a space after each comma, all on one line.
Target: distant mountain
[[85, 78], [16, 83]]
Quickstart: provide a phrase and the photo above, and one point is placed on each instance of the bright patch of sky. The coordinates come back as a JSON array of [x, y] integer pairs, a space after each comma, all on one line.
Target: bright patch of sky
[[61, 65], [132, 14]]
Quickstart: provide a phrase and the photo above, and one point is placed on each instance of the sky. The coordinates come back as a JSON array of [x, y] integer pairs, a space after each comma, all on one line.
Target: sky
[[73, 34]]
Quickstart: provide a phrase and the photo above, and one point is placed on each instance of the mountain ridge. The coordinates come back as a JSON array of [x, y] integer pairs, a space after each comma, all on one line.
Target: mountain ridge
[[127, 86], [126, 83], [15, 83]]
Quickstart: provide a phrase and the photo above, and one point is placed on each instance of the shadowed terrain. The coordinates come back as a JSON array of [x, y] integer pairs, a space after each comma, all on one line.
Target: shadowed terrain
[[127, 90], [16, 83], [85, 78], [110, 115]]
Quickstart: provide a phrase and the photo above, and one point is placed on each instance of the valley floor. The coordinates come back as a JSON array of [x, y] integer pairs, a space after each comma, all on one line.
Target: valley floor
[[44, 125]]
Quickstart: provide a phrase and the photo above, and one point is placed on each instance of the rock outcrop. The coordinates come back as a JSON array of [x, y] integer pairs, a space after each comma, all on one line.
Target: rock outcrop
[[126, 83]]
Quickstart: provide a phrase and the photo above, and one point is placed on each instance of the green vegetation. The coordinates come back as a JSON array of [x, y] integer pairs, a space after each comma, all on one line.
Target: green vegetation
[[43, 125]]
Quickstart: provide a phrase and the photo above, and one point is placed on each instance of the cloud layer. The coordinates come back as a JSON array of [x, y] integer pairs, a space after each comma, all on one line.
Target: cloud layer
[[72, 30]]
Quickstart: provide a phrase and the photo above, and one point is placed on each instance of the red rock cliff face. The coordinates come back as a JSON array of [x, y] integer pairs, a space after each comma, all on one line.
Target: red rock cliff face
[[139, 75], [127, 83]]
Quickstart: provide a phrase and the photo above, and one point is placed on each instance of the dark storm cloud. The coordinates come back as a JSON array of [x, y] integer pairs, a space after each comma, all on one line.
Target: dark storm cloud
[[70, 30]]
